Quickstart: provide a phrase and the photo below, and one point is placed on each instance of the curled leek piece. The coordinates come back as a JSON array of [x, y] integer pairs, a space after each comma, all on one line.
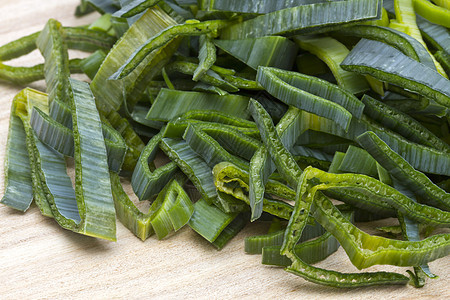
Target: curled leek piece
[[296, 225], [389, 64]]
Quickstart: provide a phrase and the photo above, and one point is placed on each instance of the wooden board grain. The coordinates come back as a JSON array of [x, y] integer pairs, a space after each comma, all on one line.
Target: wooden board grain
[[38, 259]]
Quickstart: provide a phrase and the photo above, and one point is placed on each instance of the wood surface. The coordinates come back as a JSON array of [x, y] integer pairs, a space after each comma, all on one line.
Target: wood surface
[[38, 259]]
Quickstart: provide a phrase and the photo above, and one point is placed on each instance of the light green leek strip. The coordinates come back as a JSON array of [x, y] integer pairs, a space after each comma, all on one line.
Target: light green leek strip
[[190, 28], [209, 76], [93, 186], [22, 104], [268, 51], [110, 94], [146, 183], [418, 182], [25, 75], [134, 7], [397, 39], [56, 67], [18, 182], [422, 158], [391, 65], [436, 35], [174, 212], [262, 166], [321, 16], [332, 52], [192, 165], [210, 149], [234, 181], [60, 138], [280, 155], [357, 160], [209, 221], [173, 103], [436, 14], [297, 223], [206, 56], [402, 123], [289, 88], [257, 6]]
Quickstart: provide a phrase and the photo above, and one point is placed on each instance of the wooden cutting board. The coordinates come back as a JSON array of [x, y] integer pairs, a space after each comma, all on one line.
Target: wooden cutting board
[[38, 259]]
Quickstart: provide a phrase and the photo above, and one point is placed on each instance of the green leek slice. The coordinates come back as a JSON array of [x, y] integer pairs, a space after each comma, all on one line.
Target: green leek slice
[[320, 16], [19, 189], [146, 183], [134, 7], [391, 65], [162, 38], [332, 52], [206, 56], [269, 51], [109, 94], [173, 103], [289, 87], [403, 171]]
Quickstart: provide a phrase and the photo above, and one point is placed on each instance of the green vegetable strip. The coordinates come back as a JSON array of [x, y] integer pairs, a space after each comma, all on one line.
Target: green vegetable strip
[[229, 204], [25, 75], [93, 186], [21, 105], [234, 181], [87, 39], [377, 191], [209, 77], [397, 39], [175, 211], [146, 183], [435, 162], [128, 214], [289, 87], [57, 187], [208, 148], [164, 37], [310, 251], [391, 65], [357, 160], [332, 52], [436, 35], [110, 94], [195, 168], [206, 56], [282, 158], [293, 233], [60, 138], [134, 7], [92, 63], [230, 138], [56, 67], [402, 123], [255, 244], [173, 103], [375, 249], [433, 13], [209, 221], [257, 6], [444, 59], [320, 16], [403, 171], [230, 231], [19, 189], [19, 47], [268, 51]]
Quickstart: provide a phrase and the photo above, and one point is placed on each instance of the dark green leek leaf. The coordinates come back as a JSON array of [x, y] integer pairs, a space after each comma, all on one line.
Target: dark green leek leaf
[[269, 51], [389, 64], [173, 103], [319, 16]]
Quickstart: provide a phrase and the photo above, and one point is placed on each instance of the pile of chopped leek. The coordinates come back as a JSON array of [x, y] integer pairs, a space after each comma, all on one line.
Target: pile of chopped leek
[[309, 114]]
